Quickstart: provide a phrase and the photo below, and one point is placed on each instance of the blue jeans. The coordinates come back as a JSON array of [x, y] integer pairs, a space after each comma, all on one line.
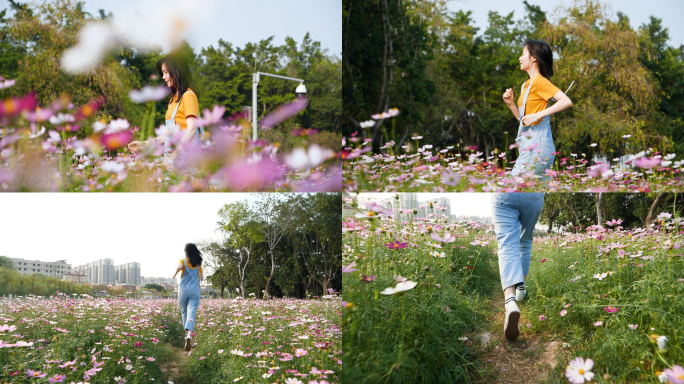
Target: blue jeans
[[189, 301], [515, 216]]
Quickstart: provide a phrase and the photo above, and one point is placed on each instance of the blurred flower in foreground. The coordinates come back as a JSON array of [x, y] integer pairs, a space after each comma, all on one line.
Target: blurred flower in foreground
[[300, 158], [95, 40], [283, 113], [349, 268], [399, 288], [148, 93]]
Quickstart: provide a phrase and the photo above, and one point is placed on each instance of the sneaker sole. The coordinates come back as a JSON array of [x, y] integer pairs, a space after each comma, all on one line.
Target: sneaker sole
[[188, 345], [511, 329]]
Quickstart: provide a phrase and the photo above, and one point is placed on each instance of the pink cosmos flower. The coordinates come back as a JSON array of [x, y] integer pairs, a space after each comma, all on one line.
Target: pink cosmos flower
[[613, 222], [543, 260], [611, 309], [7, 328], [349, 268], [283, 113], [31, 373], [300, 352], [396, 245], [57, 379], [451, 178], [676, 374], [644, 162], [479, 242], [542, 318], [448, 238], [563, 312], [367, 279]]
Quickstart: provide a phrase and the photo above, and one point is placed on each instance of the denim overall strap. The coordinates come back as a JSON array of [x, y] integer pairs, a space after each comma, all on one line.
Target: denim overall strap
[[524, 103], [198, 132]]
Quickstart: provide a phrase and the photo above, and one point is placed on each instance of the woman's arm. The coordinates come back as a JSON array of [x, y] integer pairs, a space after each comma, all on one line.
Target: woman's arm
[[508, 98], [178, 269], [563, 102], [191, 122], [201, 276]]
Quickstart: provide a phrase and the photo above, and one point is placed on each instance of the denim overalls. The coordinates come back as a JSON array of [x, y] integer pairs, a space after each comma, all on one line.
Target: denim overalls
[[535, 143], [189, 295], [170, 124]]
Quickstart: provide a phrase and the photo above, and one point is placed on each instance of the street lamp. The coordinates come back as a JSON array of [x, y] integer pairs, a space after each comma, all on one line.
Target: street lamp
[[300, 92]]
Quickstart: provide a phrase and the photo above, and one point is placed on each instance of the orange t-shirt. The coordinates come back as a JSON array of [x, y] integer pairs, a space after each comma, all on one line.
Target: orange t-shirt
[[188, 261], [540, 93], [189, 107]]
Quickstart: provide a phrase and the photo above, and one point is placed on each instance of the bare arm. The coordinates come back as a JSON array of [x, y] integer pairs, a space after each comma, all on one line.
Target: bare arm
[[563, 102], [190, 131], [178, 269], [508, 98]]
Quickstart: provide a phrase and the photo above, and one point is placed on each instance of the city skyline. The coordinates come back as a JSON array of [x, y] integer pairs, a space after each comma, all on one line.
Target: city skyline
[[151, 229]]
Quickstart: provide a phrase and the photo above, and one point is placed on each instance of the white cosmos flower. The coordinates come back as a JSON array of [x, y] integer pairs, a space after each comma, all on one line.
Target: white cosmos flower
[[438, 255], [626, 136], [39, 133], [98, 126], [593, 144], [61, 118], [117, 125], [95, 40], [579, 370], [113, 167], [662, 342], [148, 93], [367, 124], [300, 159], [400, 287], [164, 130]]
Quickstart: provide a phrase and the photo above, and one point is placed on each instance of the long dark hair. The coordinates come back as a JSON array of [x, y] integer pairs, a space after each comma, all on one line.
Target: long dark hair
[[542, 52], [179, 70], [194, 254]]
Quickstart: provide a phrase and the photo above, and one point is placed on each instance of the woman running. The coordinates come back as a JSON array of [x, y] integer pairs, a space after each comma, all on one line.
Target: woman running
[[535, 142], [189, 288]]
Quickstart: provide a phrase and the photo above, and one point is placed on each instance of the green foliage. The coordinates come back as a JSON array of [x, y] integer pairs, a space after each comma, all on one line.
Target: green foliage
[[6, 262], [307, 258], [12, 282], [413, 337], [645, 291], [627, 82], [156, 287]]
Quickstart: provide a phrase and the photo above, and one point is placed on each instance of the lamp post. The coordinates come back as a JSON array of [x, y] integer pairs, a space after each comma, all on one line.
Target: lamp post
[[300, 91]]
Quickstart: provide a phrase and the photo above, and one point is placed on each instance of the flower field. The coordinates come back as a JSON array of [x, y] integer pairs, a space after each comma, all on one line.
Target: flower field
[[87, 340], [60, 148], [419, 167], [416, 289]]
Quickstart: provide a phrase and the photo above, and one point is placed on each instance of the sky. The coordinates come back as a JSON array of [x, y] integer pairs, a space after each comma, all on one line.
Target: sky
[[237, 22], [462, 204], [151, 229], [638, 11]]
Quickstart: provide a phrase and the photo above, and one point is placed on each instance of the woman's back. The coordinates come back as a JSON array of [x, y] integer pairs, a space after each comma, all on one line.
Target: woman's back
[[190, 275]]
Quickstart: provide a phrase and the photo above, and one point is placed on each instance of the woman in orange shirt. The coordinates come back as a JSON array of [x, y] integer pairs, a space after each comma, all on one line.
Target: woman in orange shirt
[[535, 142], [183, 107]]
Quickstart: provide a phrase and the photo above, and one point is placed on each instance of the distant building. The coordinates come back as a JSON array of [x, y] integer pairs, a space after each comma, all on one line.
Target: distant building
[[98, 272], [48, 268], [160, 280], [75, 278], [128, 273]]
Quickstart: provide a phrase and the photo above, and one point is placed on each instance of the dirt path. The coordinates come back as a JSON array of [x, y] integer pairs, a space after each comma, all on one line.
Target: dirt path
[[527, 359], [172, 368]]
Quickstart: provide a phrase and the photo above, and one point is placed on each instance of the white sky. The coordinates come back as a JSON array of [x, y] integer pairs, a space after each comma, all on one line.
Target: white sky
[[237, 22], [462, 204], [638, 11], [151, 229]]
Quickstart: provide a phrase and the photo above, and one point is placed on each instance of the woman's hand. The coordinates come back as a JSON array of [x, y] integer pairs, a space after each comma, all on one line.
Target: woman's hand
[[508, 96], [531, 118], [134, 146]]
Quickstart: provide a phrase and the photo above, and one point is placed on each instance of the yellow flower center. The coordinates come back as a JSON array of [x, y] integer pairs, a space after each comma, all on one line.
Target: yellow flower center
[[371, 213], [681, 377], [35, 373], [581, 371]]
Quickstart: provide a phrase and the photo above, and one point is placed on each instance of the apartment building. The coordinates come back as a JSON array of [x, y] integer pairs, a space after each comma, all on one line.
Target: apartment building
[[128, 273], [48, 268]]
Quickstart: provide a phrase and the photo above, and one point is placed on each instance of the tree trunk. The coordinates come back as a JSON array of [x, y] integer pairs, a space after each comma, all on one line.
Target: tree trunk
[[654, 207], [599, 207]]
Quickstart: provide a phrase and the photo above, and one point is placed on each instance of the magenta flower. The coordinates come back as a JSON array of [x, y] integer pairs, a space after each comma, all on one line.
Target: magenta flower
[[599, 170], [367, 279], [31, 373], [543, 260], [542, 317], [611, 309], [117, 140], [396, 245], [349, 268], [644, 162], [138, 344]]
